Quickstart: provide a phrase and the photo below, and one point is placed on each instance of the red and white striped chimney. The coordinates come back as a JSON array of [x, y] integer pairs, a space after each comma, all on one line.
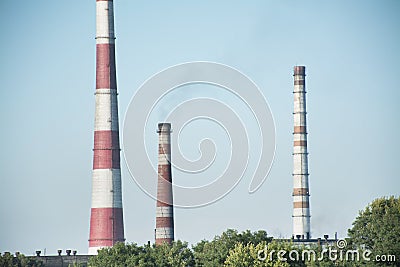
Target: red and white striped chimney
[[301, 192], [106, 220], [164, 232]]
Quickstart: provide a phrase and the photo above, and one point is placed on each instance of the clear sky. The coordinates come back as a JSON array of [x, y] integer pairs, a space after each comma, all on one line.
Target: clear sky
[[47, 69]]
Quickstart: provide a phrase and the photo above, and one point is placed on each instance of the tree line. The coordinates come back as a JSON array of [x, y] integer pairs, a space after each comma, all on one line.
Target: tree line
[[375, 230]]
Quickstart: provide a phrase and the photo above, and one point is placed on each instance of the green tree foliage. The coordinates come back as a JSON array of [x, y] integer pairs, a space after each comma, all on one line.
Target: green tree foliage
[[118, 255], [214, 253], [176, 255], [278, 254], [244, 255], [377, 228], [9, 260], [205, 253], [258, 255]]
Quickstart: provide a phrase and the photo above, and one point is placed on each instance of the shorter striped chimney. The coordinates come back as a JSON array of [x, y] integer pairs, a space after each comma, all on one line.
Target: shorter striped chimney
[[164, 232], [301, 191]]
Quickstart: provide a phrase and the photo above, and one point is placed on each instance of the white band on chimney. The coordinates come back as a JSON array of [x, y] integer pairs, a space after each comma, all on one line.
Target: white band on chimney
[[163, 159], [164, 212], [104, 22], [106, 188], [164, 232], [106, 117]]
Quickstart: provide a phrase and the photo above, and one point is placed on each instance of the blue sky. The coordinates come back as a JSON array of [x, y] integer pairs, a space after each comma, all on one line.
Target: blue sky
[[47, 70]]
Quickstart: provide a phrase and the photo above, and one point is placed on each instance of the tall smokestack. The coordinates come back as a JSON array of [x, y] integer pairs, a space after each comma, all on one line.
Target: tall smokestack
[[301, 195], [106, 220], [164, 209]]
